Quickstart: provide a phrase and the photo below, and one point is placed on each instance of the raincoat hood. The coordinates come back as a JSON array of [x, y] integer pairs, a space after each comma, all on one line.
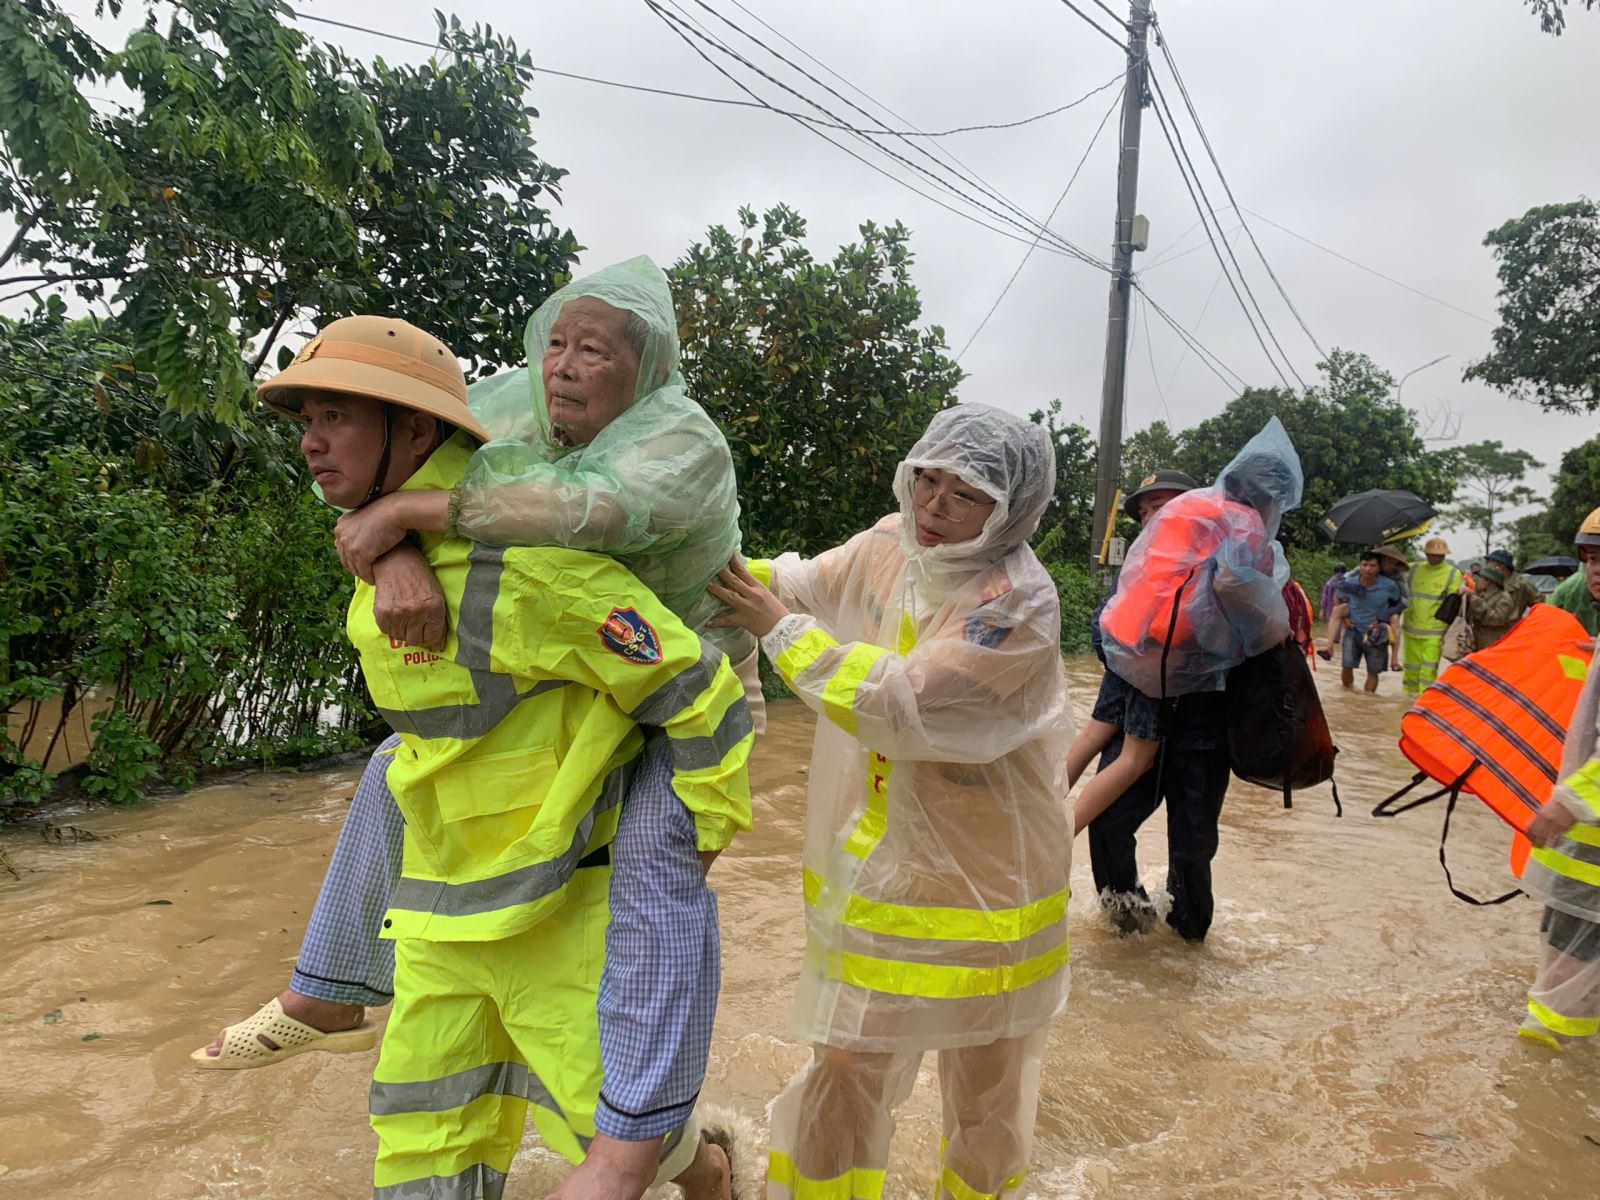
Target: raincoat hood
[[1266, 475], [637, 286], [1003, 455]]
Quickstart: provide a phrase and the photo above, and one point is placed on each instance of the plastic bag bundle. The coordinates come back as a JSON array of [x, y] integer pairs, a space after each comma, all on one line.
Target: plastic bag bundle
[[1202, 587], [655, 488]]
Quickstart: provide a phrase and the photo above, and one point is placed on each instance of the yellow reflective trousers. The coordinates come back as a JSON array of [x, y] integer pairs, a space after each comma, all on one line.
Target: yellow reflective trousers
[[832, 1125], [480, 1033]]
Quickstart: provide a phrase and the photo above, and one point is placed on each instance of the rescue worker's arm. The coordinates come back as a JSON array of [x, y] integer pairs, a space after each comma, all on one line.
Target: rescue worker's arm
[[1576, 799], [602, 628], [814, 586]]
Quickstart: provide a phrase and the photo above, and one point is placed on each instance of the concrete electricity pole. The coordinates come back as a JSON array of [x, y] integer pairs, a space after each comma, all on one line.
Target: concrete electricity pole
[[1108, 470]]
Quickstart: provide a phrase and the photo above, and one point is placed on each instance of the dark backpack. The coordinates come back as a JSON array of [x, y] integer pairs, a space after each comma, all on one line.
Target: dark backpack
[[1277, 734]]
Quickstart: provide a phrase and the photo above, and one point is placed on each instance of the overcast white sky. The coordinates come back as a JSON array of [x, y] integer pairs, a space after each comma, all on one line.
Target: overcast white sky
[[1396, 132]]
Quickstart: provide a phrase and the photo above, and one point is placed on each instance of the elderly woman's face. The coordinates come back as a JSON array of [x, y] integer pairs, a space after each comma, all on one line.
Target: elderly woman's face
[[589, 369], [947, 510]]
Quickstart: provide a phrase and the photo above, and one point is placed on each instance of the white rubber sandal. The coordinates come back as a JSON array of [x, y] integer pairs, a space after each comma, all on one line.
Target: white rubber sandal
[[242, 1047]]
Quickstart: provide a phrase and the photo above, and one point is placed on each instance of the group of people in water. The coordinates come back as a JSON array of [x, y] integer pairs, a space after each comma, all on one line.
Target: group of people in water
[[552, 614]]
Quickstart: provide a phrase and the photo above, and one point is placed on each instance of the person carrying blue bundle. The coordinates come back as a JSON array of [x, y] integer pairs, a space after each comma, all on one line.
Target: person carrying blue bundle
[[1200, 592]]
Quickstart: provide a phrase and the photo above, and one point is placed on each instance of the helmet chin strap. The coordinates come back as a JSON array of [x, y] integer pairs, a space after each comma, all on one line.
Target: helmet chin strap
[[383, 459]]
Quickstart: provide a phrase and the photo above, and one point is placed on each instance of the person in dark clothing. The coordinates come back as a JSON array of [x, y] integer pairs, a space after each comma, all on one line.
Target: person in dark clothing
[[1191, 775]]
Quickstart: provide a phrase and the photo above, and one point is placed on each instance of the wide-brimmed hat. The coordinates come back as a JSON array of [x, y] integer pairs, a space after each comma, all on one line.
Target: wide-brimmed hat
[[1435, 545], [1161, 481], [1503, 557], [1392, 552], [381, 358]]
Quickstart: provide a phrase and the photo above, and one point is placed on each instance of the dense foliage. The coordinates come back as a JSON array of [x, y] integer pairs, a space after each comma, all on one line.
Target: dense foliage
[[163, 561], [1547, 345], [1491, 477], [826, 380]]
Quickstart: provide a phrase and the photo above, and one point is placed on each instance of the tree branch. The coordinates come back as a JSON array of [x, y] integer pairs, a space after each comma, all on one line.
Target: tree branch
[[272, 336], [11, 249]]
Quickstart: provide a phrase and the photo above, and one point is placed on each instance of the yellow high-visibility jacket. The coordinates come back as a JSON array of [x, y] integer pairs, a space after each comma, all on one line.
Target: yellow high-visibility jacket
[[518, 738]]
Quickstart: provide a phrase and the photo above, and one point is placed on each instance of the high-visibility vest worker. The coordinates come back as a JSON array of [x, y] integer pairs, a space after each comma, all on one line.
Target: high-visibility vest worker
[[1427, 585], [517, 740]]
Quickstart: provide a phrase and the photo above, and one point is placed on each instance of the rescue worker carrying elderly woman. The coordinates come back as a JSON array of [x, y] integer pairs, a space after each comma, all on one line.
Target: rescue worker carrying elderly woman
[[937, 849], [516, 745], [596, 448], [1201, 590]]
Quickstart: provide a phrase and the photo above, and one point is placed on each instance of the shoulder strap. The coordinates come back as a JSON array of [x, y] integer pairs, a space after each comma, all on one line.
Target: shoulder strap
[[1444, 834]]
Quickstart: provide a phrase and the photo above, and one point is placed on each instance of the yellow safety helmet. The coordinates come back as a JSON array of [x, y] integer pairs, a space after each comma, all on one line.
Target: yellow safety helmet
[[1589, 531]]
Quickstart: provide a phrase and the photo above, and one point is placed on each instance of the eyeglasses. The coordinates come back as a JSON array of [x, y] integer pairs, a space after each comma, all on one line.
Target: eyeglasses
[[958, 506]]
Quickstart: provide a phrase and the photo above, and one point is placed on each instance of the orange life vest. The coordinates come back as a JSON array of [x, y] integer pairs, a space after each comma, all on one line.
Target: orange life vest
[[1154, 605], [1494, 723]]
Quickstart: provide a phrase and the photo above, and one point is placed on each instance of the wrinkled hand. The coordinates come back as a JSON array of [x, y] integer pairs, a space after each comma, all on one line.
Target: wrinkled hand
[[612, 1170], [1549, 823], [750, 605], [366, 535], [409, 604]]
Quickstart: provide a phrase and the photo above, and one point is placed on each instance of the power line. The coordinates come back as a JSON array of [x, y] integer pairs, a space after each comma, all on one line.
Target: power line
[[1363, 266], [1113, 14], [1214, 364], [1150, 353], [1097, 27], [1203, 207], [1027, 225], [1029, 254], [1195, 249], [1183, 90], [1199, 320], [727, 101]]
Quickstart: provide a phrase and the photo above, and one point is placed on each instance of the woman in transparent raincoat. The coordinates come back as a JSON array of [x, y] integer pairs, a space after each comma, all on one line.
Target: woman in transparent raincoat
[[1563, 871], [937, 846]]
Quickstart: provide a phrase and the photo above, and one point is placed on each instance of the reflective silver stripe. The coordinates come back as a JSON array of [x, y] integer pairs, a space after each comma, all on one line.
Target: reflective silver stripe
[[1518, 742], [478, 1180], [697, 753], [1551, 726], [1477, 752], [440, 1095], [522, 886], [497, 693], [1423, 633], [497, 696], [1427, 595], [682, 690]]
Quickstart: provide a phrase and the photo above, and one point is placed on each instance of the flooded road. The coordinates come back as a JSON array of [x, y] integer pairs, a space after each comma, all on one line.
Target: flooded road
[[1348, 1030]]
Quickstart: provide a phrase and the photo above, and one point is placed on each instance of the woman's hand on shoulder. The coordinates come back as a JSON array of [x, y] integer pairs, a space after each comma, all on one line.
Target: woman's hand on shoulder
[[750, 605]]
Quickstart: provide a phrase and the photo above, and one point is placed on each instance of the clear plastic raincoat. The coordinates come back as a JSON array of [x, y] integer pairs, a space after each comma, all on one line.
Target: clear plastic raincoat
[[1202, 587], [1564, 1001], [655, 488], [938, 846]]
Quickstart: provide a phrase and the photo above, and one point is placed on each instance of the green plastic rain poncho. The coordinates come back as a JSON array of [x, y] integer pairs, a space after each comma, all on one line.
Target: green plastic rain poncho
[[655, 488]]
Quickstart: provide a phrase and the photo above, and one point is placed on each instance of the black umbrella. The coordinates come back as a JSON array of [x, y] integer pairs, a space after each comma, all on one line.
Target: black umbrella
[[1370, 518], [1557, 564]]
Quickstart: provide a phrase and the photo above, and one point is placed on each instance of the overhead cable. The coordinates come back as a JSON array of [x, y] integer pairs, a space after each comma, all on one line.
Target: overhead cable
[[727, 101], [1027, 225], [1097, 27], [1053, 208], [1363, 266], [1183, 90], [1203, 207], [1212, 362]]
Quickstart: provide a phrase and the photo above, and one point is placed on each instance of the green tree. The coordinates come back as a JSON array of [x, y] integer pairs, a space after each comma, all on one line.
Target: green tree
[[1350, 433], [1576, 493], [1552, 14], [818, 372], [1547, 345], [257, 176], [1072, 509], [1492, 477], [1151, 449], [1530, 538]]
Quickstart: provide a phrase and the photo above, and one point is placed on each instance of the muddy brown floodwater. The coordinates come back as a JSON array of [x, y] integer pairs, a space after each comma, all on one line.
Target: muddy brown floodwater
[[1348, 1029]]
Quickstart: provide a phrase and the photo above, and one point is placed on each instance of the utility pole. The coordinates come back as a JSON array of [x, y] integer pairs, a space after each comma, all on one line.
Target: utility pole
[[1108, 471]]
